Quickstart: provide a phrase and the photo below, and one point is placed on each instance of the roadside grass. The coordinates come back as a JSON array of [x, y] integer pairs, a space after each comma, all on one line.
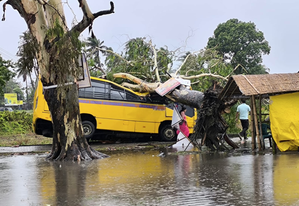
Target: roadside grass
[[16, 130], [23, 140]]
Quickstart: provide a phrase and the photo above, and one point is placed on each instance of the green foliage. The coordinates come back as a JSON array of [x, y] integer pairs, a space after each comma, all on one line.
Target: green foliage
[[94, 48], [138, 60], [231, 120], [56, 32], [5, 73], [240, 43], [164, 58], [66, 48], [27, 64], [27, 53], [207, 61], [17, 122]]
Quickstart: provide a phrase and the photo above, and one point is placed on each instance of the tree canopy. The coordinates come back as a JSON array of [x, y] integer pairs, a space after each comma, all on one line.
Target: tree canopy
[[141, 59], [204, 67], [5, 73], [27, 62], [240, 43], [93, 47]]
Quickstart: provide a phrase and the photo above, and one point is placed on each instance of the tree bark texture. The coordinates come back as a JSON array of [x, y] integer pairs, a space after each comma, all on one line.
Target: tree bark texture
[[40, 16]]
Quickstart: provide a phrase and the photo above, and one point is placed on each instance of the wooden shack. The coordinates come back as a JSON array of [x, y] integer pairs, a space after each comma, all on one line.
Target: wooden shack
[[284, 112]]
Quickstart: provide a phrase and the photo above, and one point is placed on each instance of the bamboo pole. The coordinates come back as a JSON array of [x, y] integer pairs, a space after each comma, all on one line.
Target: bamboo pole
[[256, 124], [274, 146], [260, 123], [252, 125]]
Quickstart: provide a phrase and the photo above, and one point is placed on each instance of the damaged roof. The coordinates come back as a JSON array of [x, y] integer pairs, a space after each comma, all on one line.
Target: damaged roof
[[271, 84]]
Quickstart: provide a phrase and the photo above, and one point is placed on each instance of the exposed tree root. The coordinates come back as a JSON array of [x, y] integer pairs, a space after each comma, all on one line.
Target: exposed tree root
[[75, 152], [210, 122]]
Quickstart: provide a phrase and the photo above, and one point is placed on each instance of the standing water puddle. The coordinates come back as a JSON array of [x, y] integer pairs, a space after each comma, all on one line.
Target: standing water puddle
[[145, 178]]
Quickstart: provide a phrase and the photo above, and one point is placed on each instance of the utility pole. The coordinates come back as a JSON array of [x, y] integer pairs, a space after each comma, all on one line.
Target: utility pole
[[26, 96]]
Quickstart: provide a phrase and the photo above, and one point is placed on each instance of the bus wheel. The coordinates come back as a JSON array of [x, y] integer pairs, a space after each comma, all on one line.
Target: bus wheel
[[88, 129], [167, 133]]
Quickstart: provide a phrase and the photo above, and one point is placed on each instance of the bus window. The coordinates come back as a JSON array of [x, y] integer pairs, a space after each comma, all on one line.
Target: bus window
[[117, 93], [134, 98], [99, 90], [190, 111], [156, 98]]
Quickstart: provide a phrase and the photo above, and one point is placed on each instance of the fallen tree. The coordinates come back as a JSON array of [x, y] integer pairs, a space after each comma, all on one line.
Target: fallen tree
[[210, 122], [195, 66]]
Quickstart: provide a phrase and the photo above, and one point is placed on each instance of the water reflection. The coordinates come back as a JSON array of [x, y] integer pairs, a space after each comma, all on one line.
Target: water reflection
[[19, 179], [286, 181], [144, 178]]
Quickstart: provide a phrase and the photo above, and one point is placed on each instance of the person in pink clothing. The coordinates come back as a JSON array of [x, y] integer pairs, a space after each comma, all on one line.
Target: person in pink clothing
[[183, 125], [183, 143]]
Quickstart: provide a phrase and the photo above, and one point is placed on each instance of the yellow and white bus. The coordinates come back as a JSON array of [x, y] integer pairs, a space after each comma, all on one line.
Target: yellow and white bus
[[109, 109]]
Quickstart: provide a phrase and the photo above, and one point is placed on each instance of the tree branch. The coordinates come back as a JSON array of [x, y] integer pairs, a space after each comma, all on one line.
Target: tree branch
[[116, 54], [204, 75], [99, 68], [43, 2], [155, 61], [239, 65], [145, 86], [185, 60], [134, 87], [4, 9], [105, 12], [89, 16]]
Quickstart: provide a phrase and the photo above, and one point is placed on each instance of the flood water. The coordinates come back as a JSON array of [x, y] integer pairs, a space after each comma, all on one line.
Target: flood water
[[145, 178]]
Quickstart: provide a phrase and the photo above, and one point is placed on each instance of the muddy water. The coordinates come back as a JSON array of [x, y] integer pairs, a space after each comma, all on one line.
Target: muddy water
[[144, 178]]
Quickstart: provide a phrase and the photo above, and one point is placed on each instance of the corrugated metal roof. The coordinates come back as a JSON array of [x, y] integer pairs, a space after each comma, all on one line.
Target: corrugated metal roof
[[260, 84]]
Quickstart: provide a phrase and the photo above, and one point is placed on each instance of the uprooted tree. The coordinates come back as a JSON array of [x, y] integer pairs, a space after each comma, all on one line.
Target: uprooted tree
[[142, 62], [205, 66], [209, 122], [57, 50]]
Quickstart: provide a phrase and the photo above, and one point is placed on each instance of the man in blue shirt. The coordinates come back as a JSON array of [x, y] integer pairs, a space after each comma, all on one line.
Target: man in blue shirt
[[242, 111]]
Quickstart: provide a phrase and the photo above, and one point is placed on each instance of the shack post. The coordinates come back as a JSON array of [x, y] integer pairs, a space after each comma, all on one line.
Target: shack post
[[260, 123], [253, 146], [256, 123]]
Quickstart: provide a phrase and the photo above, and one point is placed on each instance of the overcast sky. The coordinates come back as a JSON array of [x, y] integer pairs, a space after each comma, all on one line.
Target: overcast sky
[[178, 23]]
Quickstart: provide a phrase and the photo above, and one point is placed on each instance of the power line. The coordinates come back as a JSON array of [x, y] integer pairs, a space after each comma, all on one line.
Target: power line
[[7, 54]]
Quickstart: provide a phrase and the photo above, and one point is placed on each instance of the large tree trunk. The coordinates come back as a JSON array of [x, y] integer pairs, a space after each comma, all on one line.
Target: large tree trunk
[[41, 17]]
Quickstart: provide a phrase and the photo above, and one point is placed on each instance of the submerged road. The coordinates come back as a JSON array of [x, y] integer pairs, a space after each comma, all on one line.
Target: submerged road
[[108, 146], [136, 177], [96, 145]]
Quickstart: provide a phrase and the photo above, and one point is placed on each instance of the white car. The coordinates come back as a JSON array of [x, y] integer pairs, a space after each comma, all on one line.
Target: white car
[[6, 109]]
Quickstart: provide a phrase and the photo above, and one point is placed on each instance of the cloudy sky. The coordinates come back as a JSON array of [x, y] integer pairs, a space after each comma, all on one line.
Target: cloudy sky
[[180, 23]]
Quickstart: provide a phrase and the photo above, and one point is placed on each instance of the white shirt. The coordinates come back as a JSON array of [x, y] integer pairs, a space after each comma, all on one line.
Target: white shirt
[[243, 110]]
